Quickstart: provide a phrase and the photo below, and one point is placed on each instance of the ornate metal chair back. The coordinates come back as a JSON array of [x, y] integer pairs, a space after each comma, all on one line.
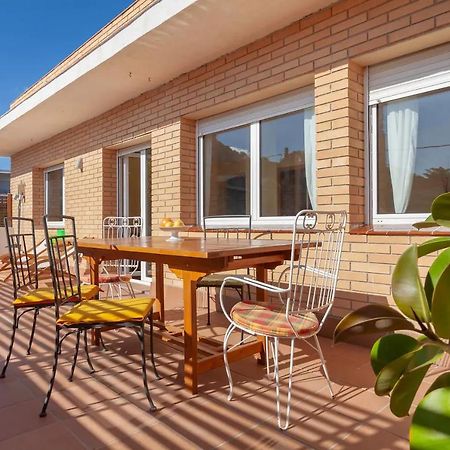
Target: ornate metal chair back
[[64, 263], [21, 240]]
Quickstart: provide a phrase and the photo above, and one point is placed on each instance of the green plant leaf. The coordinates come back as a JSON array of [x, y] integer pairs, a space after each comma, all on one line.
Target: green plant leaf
[[421, 356], [405, 390], [440, 307], [435, 271], [389, 348], [425, 224], [440, 209], [432, 245], [370, 319], [443, 380], [428, 223], [430, 429], [407, 289], [389, 375], [427, 354]]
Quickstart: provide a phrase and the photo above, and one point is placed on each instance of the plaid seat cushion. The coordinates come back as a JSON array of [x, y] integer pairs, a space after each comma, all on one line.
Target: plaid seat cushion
[[269, 320], [113, 278]]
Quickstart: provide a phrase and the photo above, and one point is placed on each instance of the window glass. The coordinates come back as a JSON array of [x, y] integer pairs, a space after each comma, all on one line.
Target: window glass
[[54, 194], [226, 172], [413, 155], [283, 190]]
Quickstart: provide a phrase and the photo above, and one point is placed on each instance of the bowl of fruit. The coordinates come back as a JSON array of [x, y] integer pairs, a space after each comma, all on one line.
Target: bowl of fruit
[[174, 227]]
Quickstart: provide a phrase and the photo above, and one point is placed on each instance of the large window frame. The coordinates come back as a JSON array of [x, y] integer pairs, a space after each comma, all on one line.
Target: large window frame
[[56, 223], [251, 116], [417, 77]]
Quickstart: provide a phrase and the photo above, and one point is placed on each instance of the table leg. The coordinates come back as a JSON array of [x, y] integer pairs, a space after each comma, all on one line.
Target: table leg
[[190, 331], [159, 288], [94, 266], [261, 275]]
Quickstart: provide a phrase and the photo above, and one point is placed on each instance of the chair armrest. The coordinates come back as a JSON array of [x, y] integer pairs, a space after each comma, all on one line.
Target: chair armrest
[[249, 282], [255, 283]]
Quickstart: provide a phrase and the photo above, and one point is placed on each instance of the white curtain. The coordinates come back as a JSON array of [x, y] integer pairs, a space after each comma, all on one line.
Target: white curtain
[[207, 167], [402, 124], [309, 131]]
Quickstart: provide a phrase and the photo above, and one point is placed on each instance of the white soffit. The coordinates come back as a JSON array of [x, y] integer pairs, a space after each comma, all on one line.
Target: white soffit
[[171, 38]]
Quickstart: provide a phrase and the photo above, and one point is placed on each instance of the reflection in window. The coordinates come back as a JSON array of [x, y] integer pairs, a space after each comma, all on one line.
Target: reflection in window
[[413, 152], [283, 176], [226, 171]]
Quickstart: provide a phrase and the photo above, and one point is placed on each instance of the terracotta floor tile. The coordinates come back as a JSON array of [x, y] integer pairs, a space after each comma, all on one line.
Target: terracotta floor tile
[[369, 439], [21, 418], [162, 438], [51, 436], [109, 409]]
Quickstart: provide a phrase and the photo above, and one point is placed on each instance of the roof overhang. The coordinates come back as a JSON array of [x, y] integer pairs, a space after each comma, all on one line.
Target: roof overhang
[[170, 38]]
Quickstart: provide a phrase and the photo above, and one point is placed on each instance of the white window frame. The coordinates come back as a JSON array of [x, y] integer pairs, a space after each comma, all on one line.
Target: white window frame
[[252, 116], [399, 86], [54, 224]]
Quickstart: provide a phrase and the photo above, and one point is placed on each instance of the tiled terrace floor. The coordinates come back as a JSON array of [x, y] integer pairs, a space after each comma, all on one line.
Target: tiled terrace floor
[[109, 409]]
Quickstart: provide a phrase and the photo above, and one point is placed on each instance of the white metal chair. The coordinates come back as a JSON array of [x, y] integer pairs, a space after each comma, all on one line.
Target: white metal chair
[[312, 275], [116, 273], [240, 228]]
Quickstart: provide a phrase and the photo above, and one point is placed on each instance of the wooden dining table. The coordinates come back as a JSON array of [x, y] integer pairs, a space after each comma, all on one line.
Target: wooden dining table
[[190, 259]]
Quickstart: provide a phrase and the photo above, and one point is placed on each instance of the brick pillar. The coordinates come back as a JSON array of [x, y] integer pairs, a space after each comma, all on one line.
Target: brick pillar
[[188, 172], [173, 172], [110, 180], [339, 105], [37, 195]]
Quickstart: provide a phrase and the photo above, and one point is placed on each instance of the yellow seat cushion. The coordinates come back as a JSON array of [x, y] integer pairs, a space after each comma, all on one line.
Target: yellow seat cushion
[[92, 312], [270, 320], [46, 296]]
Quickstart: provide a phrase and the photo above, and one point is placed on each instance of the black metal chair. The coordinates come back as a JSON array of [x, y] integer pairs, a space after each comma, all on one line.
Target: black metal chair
[[240, 228], [89, 314], [29, 294]]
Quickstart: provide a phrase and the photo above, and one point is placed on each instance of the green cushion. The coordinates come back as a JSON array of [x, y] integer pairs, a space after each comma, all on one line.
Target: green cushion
[[216, 280]]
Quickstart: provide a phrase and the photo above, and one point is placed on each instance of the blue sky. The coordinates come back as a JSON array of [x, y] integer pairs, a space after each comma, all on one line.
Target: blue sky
[[36, 35]]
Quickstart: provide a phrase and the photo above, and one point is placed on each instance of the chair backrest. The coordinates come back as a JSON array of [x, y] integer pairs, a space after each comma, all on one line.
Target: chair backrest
[[317, 239], [64, 263], [240, 226], [122, 227], [22, 252]]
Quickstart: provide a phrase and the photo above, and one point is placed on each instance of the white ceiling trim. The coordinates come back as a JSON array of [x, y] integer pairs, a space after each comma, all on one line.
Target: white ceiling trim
[[149, 20]]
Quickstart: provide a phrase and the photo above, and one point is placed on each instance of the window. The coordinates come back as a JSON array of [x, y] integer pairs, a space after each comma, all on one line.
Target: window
[[54, 194], [226, 171], [259, 160], [410, 136]]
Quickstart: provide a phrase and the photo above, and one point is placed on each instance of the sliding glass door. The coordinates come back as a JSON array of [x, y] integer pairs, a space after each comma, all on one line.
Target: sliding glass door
[[134, 193]]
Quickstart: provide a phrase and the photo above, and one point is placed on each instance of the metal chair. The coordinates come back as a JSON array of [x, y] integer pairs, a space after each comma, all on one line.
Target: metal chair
[[121, 271], [312, 275], [25, 267], [89, 314], [241, 228]]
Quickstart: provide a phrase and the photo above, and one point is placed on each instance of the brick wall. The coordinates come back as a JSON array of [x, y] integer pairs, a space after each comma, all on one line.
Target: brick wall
[[328, 50]]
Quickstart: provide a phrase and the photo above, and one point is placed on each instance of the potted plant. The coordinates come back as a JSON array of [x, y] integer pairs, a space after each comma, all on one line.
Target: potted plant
[[417, 335]]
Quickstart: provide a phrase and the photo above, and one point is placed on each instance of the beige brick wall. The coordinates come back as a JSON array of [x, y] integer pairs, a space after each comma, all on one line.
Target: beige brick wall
[[328, 50]]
